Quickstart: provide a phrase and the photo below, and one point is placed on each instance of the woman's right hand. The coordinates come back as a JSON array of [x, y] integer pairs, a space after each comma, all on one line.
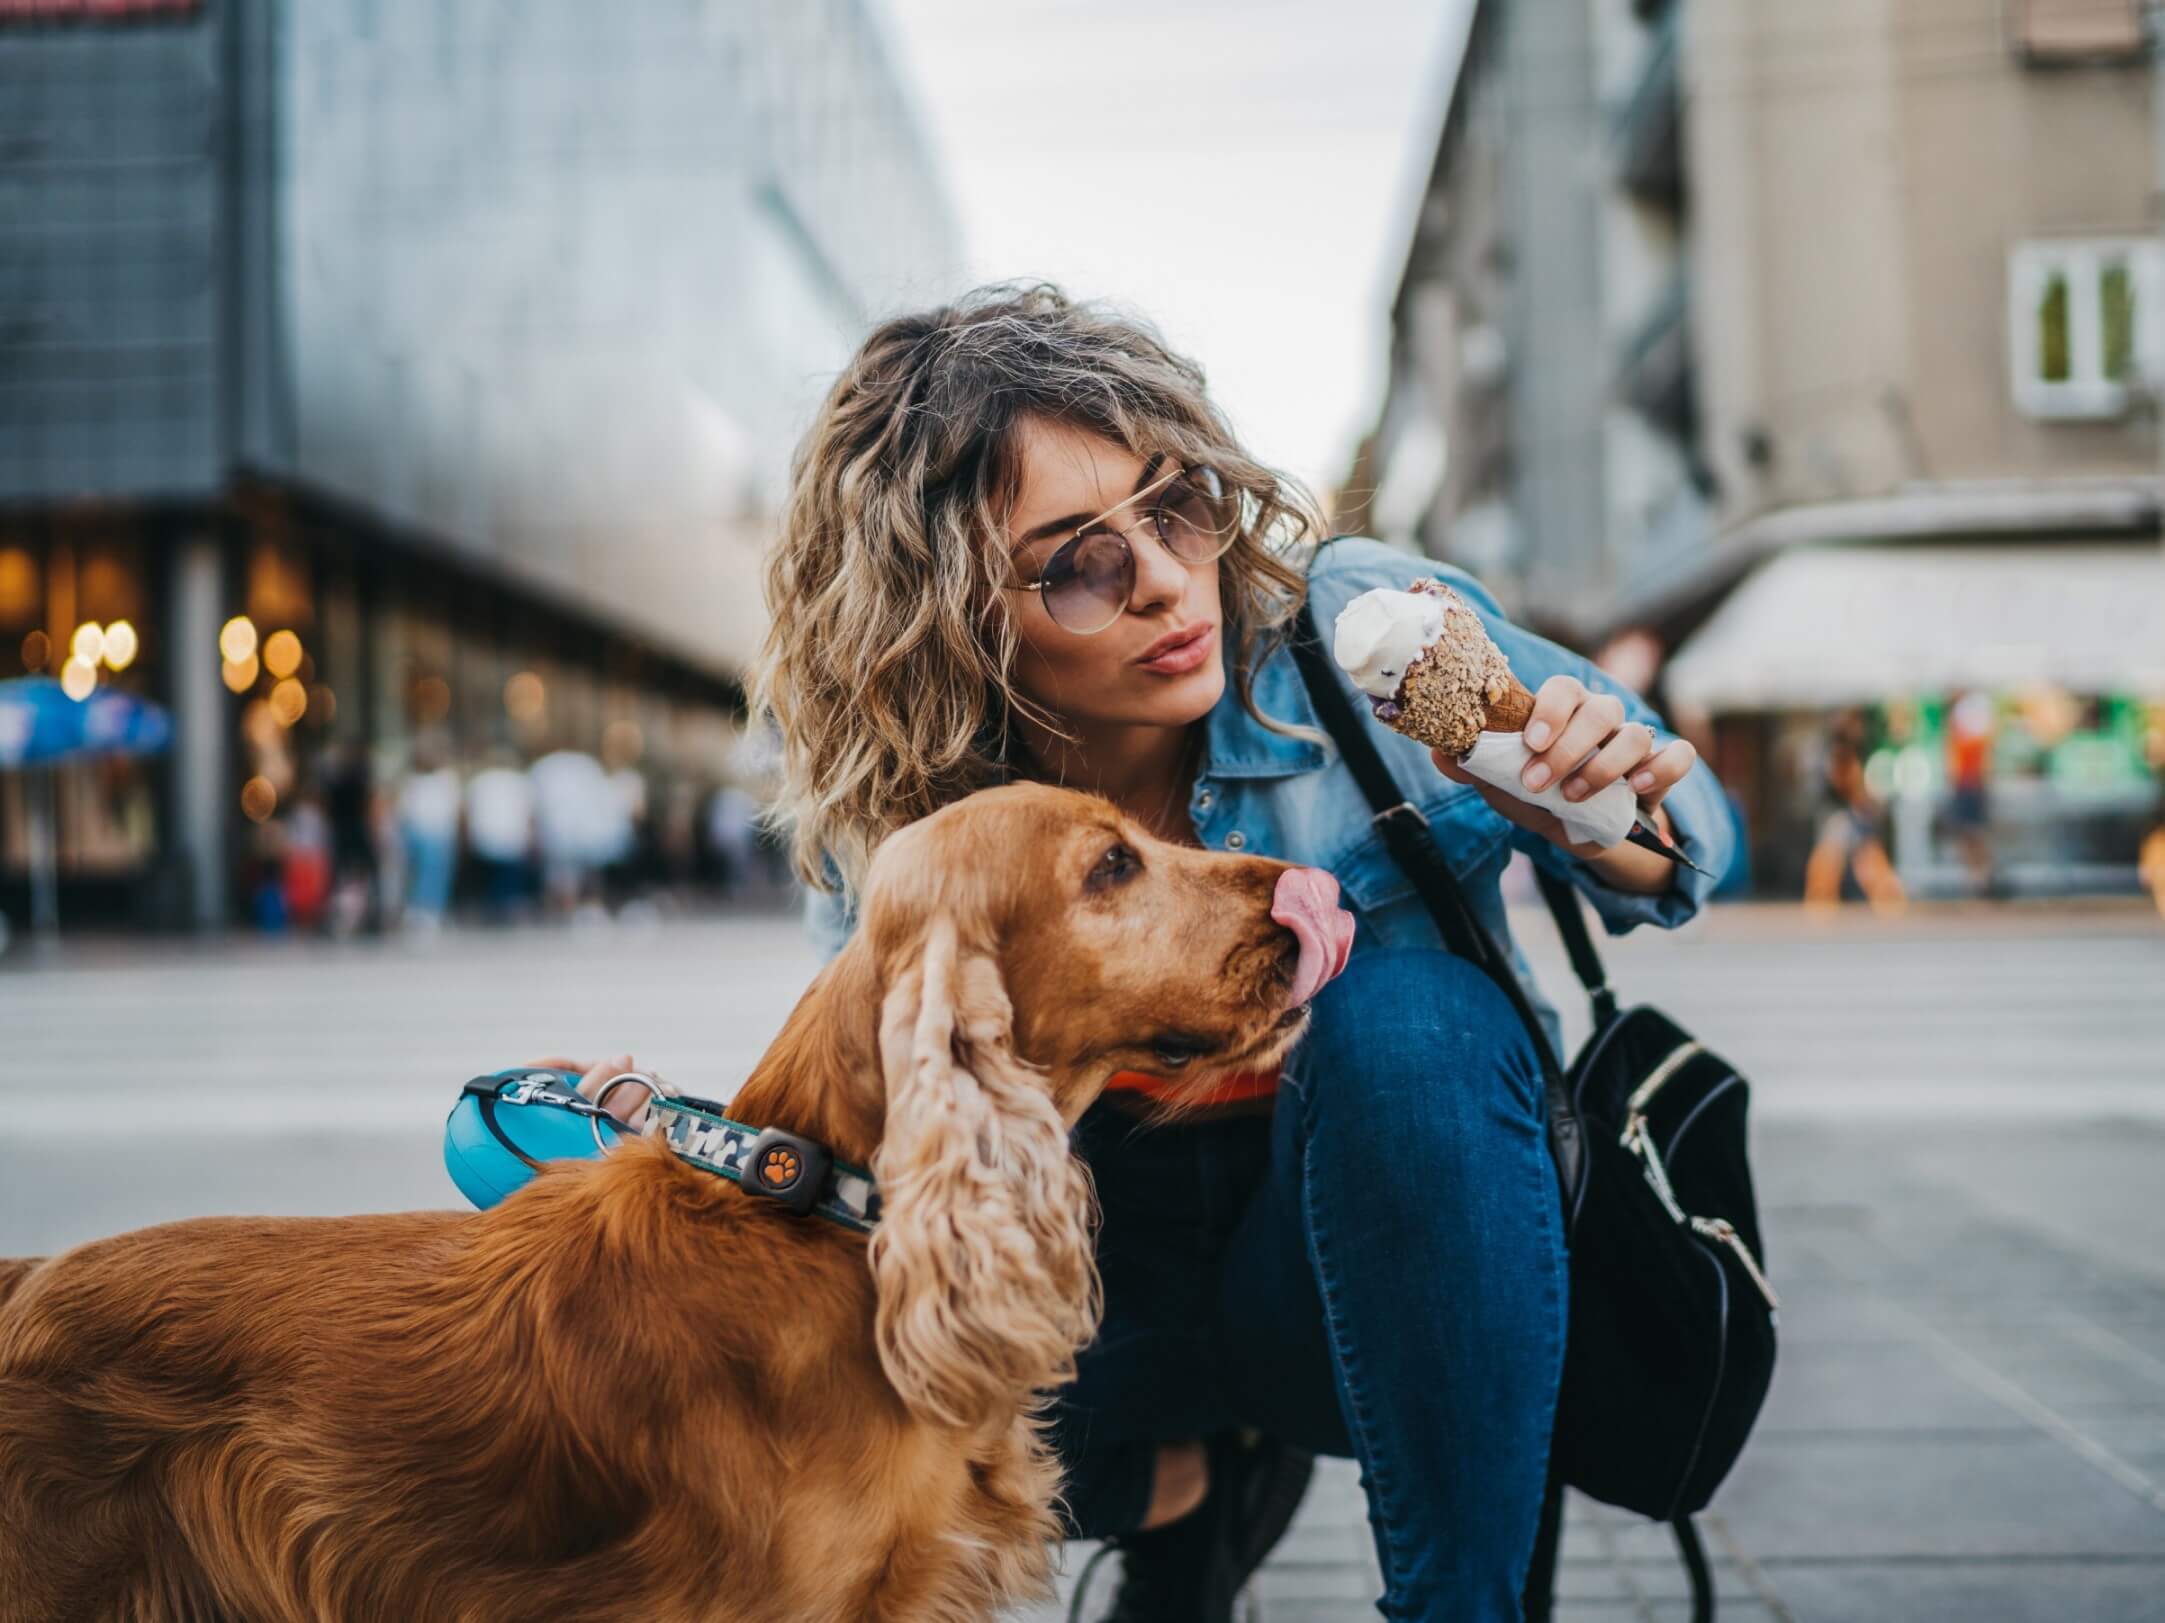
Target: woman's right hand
[[627, 1104]]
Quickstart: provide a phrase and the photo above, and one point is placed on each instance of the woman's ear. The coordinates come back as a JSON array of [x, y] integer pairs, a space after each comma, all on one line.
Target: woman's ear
[[982, 1257]]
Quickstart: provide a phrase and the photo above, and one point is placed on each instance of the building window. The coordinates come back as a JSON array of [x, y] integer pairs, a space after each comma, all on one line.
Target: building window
[[2055, 31], [2085, 322]]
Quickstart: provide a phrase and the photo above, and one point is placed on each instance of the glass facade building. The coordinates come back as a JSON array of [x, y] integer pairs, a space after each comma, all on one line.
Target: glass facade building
[[449, 357]]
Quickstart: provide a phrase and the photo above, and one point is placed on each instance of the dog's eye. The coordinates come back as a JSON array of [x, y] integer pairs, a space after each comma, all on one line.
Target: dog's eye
[[1175, 1048], [1118, 863]]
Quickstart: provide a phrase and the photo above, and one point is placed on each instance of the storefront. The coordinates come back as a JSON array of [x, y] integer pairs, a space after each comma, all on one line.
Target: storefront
[[2004, 704], [76, 602], [341, 652]]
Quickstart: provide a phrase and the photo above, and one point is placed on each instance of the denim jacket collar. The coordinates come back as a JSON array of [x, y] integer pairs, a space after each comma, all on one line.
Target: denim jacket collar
[[1240, 747]]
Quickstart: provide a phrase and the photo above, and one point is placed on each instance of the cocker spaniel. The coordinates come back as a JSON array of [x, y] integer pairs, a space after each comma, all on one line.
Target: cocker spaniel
[[634, 1390]]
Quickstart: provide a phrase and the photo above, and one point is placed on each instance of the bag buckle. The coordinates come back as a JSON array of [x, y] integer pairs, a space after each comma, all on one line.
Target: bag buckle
[[785, 1168], [1406, 806]]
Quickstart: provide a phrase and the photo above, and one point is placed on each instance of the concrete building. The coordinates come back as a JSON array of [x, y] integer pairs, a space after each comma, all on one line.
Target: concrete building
[[1706, 292], [1537, 410], [467, 343]]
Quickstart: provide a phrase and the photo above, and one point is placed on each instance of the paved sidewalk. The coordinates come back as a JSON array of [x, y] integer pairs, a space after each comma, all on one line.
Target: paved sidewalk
[[1967, 1426], [1961, 1162], [1960, 1138]]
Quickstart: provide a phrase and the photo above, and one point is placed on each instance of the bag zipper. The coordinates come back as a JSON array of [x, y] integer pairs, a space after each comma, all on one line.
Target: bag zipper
[[1640, 1142], [1721, 1374]]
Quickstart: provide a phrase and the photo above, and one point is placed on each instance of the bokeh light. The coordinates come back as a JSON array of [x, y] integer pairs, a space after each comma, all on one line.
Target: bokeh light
[[289, 702], [524, 696], [120, 645], [282, 654], [78, 678], [240, 674], [237, 640], [258, 799], [87, 646], [37, 650]]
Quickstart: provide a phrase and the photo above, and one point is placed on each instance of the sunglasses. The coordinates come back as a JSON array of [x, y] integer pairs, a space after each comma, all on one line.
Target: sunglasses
[[1090, 577]]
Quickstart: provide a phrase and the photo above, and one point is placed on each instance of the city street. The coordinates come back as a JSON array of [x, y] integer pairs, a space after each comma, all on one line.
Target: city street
[[1960, 1126]]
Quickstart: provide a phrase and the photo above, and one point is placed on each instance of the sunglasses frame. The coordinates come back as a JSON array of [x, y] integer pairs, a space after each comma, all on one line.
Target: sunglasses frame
[[1121, 532]]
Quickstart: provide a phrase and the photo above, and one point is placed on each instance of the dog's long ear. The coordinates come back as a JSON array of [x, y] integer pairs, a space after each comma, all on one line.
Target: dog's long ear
[[982, 1257]]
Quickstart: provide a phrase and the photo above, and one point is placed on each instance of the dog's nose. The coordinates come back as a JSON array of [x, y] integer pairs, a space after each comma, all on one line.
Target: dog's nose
[[1306, 902]]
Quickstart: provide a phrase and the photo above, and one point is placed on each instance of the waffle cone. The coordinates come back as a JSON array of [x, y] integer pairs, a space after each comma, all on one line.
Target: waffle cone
[[1436, 706], [1510, 710]]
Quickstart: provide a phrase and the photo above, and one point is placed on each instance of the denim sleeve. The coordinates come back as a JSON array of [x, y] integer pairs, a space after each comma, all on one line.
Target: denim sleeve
[[829, 915], [1698, 809]]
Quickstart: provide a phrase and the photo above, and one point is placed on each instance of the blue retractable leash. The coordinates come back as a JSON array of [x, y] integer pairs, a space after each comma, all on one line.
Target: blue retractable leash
[[506, 1125]]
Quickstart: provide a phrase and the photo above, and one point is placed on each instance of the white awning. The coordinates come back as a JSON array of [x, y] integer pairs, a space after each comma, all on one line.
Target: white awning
[[1853, 624]]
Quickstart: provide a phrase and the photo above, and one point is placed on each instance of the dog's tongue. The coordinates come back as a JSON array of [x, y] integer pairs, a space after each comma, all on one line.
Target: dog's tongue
[[1306, 902]]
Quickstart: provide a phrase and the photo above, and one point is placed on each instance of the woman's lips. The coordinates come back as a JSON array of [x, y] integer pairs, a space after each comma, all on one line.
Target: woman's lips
[[1183, 656]]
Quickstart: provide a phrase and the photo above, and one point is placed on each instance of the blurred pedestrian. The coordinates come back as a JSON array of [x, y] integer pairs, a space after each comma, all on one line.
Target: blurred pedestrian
[[500, 831], [428, 832], [305, 871], [265, 877], [677, 835], [355, 903], [1971, 722], [576, 825], [1852, 832], [626, 863], [733, 837]]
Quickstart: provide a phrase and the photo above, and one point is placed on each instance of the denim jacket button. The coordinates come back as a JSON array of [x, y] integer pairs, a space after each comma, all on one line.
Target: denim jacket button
[[1236, 841], [1203, 800]]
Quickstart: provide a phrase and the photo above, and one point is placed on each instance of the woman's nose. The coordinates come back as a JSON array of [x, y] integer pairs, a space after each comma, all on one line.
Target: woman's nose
[[1159, 576]]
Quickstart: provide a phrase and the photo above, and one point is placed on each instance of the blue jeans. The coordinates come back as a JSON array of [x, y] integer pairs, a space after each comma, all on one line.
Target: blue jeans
[[1375, 1269], [430, 860]]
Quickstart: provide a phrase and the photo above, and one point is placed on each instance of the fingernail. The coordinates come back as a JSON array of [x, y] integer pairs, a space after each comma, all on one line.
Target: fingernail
[[1575, 789], [1642, 781], [1537, 735], [1536, 775]]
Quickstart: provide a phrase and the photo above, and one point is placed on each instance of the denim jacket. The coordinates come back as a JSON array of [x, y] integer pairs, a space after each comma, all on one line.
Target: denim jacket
[[1264, 793]]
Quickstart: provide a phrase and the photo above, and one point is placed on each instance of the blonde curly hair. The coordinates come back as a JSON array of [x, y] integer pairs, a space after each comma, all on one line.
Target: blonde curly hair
[[886, 665]]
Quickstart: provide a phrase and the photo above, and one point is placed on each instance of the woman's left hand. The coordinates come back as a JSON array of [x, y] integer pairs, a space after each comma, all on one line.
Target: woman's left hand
[[1580, 735]]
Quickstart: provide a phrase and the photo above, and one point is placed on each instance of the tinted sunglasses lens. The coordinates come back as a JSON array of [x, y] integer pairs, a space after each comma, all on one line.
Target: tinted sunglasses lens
[[1195, 520], [1088, 581]]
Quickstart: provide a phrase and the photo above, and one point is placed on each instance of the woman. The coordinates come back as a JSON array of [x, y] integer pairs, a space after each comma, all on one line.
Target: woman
[[1021, 541]]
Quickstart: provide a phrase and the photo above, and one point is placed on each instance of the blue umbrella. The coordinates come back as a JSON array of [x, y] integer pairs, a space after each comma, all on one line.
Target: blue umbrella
[[41, 726]]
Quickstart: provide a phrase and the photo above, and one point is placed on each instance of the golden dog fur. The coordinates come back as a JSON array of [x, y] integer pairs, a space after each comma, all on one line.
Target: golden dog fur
[[632, 1390]]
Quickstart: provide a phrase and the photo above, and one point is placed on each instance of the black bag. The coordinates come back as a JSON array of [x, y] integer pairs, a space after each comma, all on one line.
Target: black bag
[[1671, 1340]]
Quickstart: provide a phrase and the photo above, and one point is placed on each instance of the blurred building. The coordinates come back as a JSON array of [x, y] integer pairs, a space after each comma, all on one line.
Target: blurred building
[[1806, 361], [390, 366]]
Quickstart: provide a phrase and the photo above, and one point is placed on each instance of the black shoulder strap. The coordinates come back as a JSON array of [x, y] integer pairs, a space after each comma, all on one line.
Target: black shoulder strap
[[1570, 917], [1413, 847]]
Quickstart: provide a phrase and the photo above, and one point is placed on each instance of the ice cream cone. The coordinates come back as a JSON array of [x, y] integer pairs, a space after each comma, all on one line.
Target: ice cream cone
[[1442, 680]]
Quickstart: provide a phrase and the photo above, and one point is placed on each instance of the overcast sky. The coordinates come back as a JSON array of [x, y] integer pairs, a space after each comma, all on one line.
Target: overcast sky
[[1238, 170]]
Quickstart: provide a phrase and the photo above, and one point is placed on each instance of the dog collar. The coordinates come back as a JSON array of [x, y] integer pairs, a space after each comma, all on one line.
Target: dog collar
[[781, 1166], [795, 1172]]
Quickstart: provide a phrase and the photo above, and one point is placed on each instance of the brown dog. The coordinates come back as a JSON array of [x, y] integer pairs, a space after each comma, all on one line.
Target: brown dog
[[633, 1390]]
